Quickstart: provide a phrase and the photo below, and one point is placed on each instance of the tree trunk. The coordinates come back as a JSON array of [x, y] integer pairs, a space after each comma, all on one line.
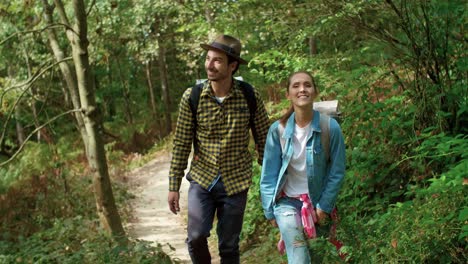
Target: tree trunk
[[209, 17], [20, 135], [67, 73], [105, 203], [313, 46], [164, 87], [19, 127], [151, 90], [109, 102], [33, 104], [126, 94]]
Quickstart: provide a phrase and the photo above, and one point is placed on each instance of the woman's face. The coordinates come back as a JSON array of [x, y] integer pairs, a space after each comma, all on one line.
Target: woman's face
[[301, 91]]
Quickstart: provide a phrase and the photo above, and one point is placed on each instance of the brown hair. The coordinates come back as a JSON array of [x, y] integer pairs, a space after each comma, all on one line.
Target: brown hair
[[284, 118], [231, 60]]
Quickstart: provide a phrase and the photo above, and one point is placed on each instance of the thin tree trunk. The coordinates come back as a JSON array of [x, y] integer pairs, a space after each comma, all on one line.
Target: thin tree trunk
[[33, 105], [67, 72], [126, 94], [108, 99], [105, 203], [313, 46], [209, 17], [19, 127], [164, 87], [150, 89], [20, 135]]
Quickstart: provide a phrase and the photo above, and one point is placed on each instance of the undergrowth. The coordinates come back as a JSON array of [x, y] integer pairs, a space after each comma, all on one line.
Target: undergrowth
[[48, 212]]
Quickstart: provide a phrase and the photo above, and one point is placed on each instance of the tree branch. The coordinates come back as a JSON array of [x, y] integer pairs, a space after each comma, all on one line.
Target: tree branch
[[29, 84], [62, 13], [55, 25], [34, 132], [90, 7], [31, 80]]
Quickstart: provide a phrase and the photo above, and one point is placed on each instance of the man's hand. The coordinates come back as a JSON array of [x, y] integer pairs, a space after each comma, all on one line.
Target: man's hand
[[173, 201]]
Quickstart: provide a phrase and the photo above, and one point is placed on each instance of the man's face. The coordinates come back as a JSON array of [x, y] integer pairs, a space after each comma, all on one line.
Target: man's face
[[216, 66]]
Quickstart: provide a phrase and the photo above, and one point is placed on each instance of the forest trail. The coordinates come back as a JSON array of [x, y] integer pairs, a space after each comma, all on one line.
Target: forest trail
[[152, 221]]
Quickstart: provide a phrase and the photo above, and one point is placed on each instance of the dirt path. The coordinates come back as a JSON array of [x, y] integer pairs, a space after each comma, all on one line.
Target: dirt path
[[152, 219]]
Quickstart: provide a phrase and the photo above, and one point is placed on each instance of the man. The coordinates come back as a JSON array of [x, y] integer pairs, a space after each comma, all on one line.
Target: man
[[221, 170]]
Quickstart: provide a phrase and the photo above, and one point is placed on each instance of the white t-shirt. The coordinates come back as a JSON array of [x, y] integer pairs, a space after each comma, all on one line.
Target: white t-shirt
[[220, 99], [296, 178]]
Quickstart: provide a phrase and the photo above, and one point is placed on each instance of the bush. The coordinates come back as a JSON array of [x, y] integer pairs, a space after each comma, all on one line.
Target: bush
[[428, 226], [78, 240]]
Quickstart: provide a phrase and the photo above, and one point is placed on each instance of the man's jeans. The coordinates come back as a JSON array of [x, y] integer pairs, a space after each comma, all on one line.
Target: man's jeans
[[202, 205], [288, 217]]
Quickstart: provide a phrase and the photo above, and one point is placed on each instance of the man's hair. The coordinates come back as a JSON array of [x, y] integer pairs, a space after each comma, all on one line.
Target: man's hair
[[231, 60]]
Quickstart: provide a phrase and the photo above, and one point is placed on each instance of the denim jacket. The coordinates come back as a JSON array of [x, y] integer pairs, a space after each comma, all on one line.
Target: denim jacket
[[324, 177]]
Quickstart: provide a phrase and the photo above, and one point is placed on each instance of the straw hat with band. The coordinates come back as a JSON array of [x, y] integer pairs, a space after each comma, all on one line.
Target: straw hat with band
[[228, 45]]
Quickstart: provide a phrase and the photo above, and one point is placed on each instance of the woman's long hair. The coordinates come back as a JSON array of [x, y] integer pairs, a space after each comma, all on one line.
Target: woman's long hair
[[284, 118]]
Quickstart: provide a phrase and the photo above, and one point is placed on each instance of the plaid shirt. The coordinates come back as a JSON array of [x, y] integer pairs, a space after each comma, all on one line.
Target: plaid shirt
[[223, 136]]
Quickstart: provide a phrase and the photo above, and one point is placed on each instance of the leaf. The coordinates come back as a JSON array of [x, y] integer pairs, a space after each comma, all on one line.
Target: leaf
[[394, 243], [464, 232], [463, 216]]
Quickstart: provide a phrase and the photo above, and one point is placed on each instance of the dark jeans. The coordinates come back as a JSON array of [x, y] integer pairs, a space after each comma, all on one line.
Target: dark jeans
[[202, 205]]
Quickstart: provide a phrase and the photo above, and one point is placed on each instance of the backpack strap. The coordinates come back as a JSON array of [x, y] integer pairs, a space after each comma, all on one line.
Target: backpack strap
[[249, 95], [193, 103], [325, 135]]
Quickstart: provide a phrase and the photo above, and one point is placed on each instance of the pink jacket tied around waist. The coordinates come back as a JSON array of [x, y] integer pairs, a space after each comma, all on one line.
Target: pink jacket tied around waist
[[309, 219]]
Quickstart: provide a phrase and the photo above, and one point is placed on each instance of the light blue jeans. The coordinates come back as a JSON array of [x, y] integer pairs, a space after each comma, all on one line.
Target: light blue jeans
[[288, 217]]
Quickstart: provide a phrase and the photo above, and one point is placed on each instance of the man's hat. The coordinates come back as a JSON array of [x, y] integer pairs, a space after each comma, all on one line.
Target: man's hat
[[226, 44]]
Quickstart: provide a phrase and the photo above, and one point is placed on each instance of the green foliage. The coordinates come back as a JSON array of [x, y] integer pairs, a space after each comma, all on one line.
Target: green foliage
[[35, 160], [429, 228], [429, 224], [78, 240], [57, 222], [254, 221], [398, 68]]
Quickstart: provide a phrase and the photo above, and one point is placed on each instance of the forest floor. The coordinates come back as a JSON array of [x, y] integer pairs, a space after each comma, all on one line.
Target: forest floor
[[152, 221]]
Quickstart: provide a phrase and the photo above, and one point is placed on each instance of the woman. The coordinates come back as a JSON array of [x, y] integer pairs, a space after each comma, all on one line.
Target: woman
[[303, 168]]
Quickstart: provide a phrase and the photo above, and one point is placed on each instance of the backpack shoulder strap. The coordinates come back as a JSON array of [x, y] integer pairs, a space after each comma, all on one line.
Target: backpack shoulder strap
[[195, 97], [193, 103], [249, 95], [325, 135]]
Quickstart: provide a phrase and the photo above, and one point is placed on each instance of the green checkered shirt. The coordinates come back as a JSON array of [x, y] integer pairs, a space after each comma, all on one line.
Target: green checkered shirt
[[223, 136]]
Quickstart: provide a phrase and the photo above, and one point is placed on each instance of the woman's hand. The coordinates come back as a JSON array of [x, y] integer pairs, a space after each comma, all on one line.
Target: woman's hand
[[273, 222], [322, 217]]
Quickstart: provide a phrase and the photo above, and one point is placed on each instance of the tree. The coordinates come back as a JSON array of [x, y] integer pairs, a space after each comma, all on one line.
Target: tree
[[77, 36]]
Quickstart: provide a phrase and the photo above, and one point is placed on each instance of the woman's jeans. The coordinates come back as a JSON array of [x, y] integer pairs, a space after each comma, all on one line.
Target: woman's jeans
[[202, 205], [288, 217]]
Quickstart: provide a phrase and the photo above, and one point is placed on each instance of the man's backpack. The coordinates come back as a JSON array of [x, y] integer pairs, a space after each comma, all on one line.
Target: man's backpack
[[249, 95]]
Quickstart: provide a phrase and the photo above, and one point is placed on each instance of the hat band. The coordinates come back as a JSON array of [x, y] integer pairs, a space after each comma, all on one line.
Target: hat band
[[226, 48]]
